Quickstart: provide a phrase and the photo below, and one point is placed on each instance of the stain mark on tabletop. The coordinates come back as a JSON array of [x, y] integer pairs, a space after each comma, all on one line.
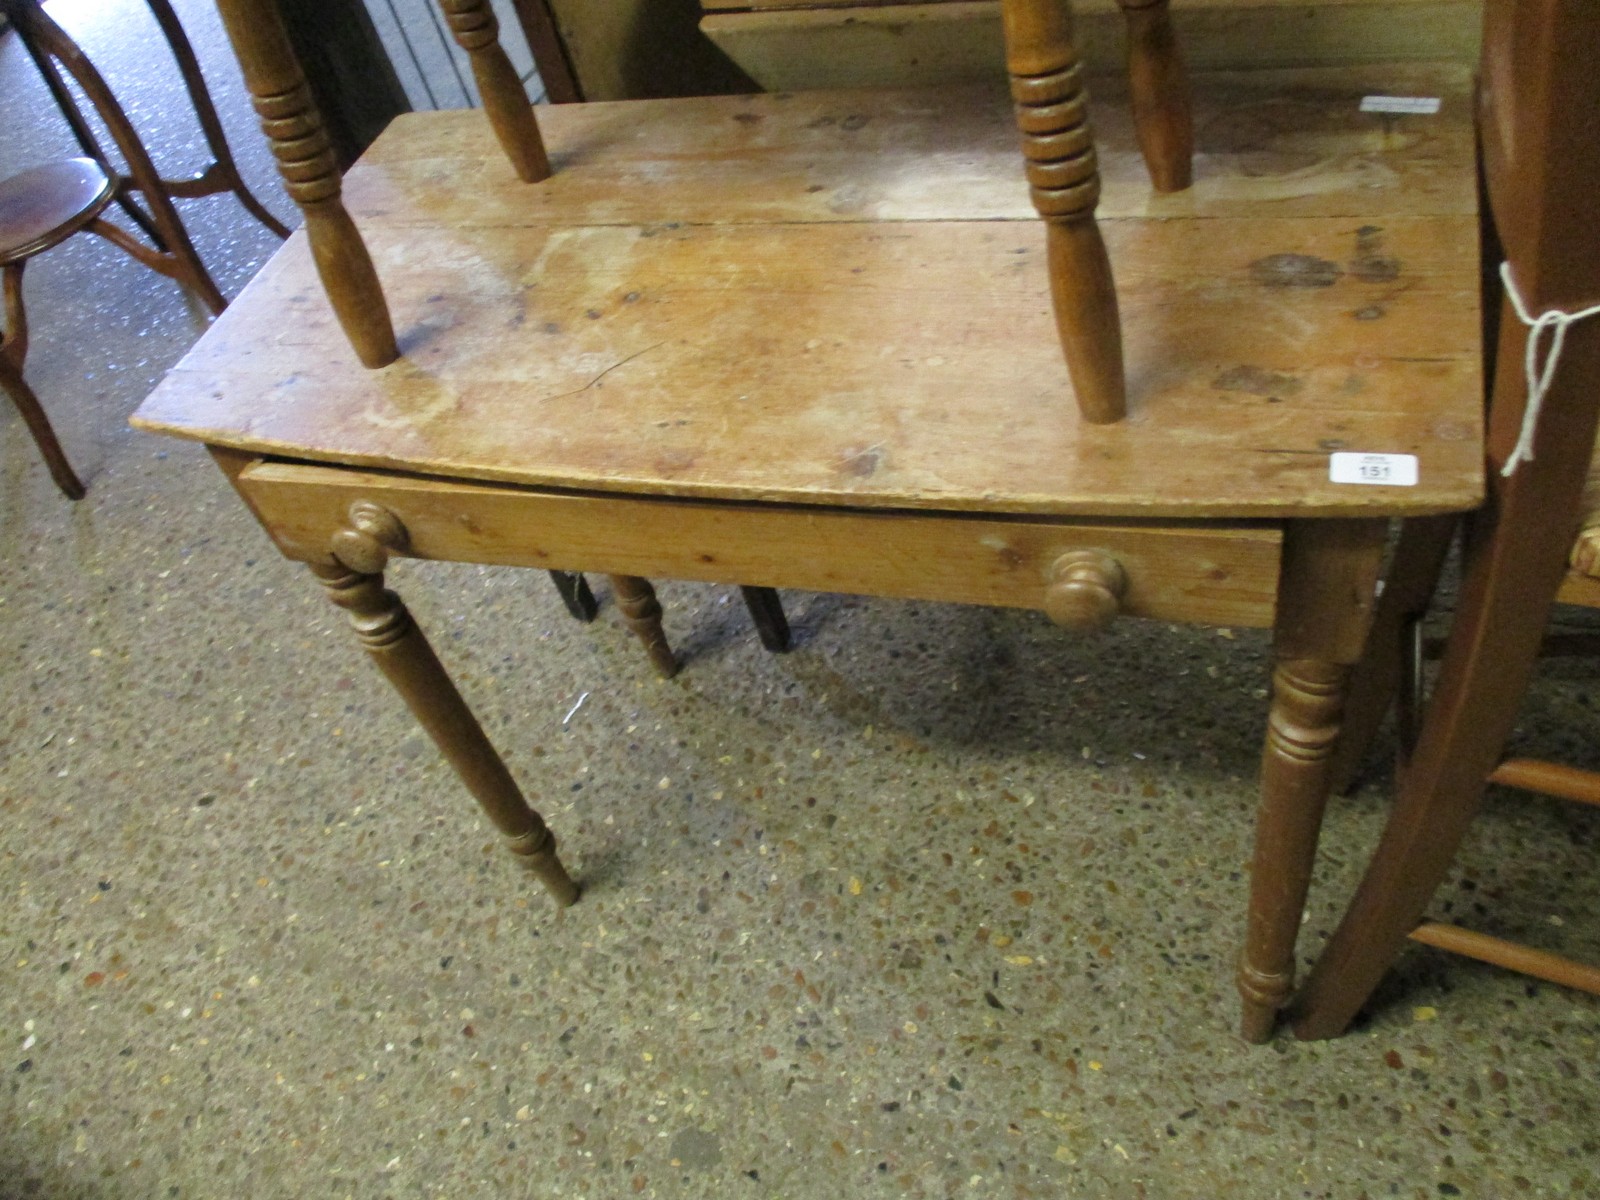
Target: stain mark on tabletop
[[749, 118], [863, 462], [1257, 381], [1294, 271], [1370, 264]]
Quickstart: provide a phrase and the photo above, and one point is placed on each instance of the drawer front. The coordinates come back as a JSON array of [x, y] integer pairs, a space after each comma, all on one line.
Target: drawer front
[[1204, 572]]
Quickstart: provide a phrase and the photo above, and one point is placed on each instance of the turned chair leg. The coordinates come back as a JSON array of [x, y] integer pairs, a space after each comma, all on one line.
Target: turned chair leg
[[289, 118], [575, 594], [402, 653], [766, 610], [1159, 87], [642, 611], [1064, 179], [511, 116], [13, 351]]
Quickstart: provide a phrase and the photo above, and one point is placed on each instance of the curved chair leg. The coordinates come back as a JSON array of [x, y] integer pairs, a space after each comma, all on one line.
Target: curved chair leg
[[224, 172], [575, 594], [766, 610], [12, 383], [1159, 87], [1514, 559], [642, 611], [1486, 670], [1418, 561], [174, 250], [13, 350]]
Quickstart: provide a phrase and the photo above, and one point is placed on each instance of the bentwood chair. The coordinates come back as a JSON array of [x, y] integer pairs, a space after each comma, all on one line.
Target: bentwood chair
[[1534, 543], [43, 206], [815, 340]]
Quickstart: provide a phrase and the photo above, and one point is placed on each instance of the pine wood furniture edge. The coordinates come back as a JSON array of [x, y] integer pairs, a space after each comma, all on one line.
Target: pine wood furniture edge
[[1208, 572]]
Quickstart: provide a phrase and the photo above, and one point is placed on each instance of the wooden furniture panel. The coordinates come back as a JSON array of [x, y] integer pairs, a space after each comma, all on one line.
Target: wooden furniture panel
[[1215, 575], [835, 43], [574, 354], [573, 358], [932, 154]]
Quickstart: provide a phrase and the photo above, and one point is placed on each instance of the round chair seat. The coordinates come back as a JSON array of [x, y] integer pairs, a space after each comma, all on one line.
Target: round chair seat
[[48, 204]]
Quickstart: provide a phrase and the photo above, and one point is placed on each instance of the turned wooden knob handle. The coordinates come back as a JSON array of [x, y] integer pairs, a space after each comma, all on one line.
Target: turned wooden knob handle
[[364, 545], [1085, 590]]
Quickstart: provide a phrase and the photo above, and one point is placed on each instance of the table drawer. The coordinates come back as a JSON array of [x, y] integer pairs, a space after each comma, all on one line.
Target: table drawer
[[1219, 573]]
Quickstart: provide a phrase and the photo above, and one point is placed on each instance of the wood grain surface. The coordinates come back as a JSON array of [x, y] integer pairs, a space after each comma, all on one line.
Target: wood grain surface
[[860, 277], [1210, 572]]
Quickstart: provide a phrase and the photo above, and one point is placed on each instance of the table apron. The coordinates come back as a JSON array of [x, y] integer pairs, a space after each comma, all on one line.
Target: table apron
[[1207, 572]]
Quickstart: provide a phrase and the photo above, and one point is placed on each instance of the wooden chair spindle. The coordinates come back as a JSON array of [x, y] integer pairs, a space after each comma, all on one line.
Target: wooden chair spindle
[[477, 31], [1159, 87], [1064, 178], [310, 173]]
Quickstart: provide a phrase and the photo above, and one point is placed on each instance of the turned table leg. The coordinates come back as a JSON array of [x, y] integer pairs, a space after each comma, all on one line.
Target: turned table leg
[[1325, 602], [1296, 771], [640, 608], [402, 653]]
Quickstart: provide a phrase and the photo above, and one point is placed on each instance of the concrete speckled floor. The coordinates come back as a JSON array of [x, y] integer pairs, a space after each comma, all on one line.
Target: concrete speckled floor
[[943, 903]]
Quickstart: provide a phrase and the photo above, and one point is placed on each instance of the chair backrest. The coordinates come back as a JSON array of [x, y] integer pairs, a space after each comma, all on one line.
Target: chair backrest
[[1538, 101]]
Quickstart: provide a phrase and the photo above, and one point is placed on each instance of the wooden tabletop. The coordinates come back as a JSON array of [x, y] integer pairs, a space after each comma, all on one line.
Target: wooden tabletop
[[840, 299]]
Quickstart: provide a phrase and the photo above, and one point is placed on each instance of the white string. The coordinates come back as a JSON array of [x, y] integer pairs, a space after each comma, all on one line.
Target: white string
[[1539, 365]]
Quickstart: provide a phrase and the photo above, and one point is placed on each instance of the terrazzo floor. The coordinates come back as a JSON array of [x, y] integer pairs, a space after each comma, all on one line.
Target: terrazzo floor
[[941, 904]]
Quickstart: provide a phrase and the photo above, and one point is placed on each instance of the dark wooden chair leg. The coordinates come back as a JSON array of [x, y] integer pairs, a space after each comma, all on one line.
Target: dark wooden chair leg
[[575, 594], [224, 172], [1486, 670], [1419, 557], [1159, 88], [1514, 559], [766, 610], [642, 611], [15, 386], [403, 654]]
